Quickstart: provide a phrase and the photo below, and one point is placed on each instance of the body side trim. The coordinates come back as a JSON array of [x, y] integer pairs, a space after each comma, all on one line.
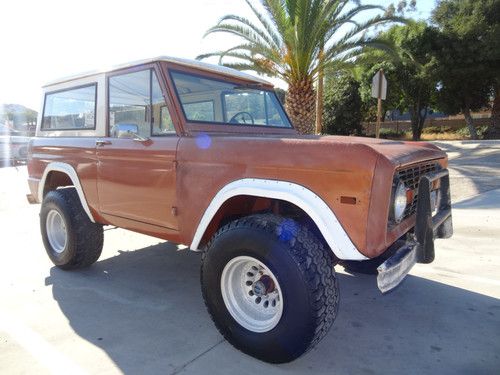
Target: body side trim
[[70, 171], [313, 205]]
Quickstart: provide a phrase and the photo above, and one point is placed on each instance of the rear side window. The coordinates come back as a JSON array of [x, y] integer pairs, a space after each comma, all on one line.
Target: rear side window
[[70, 109]]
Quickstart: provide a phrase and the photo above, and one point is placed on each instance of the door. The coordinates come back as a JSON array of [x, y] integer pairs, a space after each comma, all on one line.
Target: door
[[136, 163]]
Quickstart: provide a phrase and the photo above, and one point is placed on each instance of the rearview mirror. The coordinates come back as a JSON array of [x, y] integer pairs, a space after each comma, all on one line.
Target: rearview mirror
[[124, 130], [129, 131]]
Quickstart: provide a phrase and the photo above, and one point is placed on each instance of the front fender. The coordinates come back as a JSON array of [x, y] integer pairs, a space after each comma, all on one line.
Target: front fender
[[325, 219]]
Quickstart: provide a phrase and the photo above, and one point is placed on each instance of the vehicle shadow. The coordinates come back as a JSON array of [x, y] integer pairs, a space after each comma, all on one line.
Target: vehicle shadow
[[144, 309]]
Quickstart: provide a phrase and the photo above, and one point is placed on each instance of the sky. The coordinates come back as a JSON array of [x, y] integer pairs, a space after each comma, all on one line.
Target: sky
[[43, 40]]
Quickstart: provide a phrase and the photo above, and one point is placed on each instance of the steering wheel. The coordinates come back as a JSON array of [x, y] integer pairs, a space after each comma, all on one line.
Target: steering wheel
[[243, 116]]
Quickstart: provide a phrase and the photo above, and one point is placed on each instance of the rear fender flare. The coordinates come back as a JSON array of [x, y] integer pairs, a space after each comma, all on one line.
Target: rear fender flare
[[71, 173]]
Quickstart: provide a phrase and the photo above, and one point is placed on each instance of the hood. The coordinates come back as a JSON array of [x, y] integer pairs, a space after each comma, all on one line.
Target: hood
[[397, 153], [402, 152], [308, 152]]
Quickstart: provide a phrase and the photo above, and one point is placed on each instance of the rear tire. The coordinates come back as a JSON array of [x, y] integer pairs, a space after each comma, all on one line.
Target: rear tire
[[304, 283], [70, 238]]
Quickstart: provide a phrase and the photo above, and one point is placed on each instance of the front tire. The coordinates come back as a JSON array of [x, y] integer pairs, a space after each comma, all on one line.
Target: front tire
[[70, 238], [270, 287]]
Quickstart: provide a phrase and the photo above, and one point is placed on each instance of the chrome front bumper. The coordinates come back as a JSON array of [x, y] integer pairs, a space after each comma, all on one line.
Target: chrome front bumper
[[420, 249]]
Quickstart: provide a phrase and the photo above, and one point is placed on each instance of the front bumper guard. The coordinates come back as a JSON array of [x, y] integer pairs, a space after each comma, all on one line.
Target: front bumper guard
[[420, 249]]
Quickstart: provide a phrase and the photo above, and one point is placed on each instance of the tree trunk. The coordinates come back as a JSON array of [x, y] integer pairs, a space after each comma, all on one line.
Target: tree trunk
[[470, 122], [414, 124], [319, 103], [300, 105], [494, 129], [319, 96], [417, 120]]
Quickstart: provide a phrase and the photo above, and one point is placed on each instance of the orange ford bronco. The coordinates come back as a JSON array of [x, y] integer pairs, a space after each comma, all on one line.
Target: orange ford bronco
[[206, 156]]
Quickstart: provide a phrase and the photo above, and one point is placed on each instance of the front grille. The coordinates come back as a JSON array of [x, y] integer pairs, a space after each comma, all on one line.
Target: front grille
[[411, 176]]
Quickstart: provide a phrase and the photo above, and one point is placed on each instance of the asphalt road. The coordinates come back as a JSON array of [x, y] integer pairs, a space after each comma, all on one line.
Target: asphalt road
[[139, 309]]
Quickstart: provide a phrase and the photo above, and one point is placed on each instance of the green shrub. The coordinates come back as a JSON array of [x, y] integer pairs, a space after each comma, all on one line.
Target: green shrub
[[342, 106], [437, 130], [481, 130], [464, 132], [391, 134]]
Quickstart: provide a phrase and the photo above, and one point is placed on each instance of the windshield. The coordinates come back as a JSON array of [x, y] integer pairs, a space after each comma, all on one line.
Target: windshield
[[213, 101]]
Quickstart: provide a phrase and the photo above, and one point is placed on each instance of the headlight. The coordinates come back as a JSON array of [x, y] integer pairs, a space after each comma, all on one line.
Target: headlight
[[400, 202]]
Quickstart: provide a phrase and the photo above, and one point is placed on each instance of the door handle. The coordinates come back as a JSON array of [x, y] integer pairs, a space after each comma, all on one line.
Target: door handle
[[102, 143]]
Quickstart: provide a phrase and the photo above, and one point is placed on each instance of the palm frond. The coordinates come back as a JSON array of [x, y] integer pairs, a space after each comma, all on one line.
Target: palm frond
[[268, 26], [289, 35], [353, 39], [250, 25], [239, 30]]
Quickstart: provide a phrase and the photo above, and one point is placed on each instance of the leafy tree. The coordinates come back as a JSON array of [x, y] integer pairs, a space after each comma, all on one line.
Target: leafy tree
[[461, 88], [295, 40], [342, 106], [364, 73], [401, 7], [410, 71], [468, 53]]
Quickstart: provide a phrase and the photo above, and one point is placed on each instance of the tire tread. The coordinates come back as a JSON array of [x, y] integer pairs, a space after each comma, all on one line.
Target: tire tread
[[88, 236], [309, 253]]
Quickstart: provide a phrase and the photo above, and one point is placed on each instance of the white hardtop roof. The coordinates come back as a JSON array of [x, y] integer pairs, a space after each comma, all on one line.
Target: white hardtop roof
[[177, 60]]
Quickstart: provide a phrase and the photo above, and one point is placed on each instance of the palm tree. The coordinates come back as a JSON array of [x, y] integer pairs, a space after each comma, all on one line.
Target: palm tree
[[296, 40]]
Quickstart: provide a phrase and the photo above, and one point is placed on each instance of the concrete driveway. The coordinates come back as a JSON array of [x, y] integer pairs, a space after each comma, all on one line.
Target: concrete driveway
[[474, 166], [139, 309]]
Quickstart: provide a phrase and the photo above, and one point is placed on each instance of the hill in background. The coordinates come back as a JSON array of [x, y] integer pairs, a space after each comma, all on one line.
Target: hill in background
[[18, 117]]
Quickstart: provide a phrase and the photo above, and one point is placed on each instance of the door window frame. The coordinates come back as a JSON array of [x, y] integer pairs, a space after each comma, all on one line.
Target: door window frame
[[166, 97]]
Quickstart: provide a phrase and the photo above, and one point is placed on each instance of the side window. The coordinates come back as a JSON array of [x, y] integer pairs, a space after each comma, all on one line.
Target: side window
[[129, 99], [275, 115], [162, 121], [70, 109], [136, 104], [166, 125]]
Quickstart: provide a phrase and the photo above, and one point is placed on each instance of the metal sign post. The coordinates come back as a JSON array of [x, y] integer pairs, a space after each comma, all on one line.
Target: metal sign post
[[379, 91]]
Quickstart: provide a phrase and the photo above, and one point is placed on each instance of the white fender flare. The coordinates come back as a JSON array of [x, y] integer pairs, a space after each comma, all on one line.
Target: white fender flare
[[71, 173], [314, 206]]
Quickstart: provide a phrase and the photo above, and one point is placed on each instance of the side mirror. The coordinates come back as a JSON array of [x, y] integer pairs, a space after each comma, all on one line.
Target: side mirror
[[129, 131]]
